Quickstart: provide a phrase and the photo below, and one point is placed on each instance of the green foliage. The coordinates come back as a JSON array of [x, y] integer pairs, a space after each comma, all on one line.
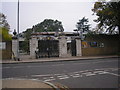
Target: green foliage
[[27, 33], [24, 46], [4, 28], [108, 16], [5, 34], [49, 25], [3, 21], [83, 25]]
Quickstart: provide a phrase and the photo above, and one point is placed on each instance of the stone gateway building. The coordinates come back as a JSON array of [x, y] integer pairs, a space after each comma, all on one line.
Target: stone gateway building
[[46, 44], [68, 44]]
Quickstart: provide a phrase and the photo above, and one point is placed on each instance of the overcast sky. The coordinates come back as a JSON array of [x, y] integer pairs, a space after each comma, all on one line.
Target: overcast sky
[[32, 13]]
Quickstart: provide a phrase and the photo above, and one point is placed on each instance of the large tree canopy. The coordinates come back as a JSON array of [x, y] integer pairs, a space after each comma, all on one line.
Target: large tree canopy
[[108, 16], [49, 25]]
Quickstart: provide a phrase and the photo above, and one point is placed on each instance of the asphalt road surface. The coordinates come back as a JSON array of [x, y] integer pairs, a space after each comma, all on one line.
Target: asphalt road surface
[[97, 73]]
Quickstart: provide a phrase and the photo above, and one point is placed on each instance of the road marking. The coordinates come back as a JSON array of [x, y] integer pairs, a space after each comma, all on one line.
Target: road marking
[[88, 73], [92, 74], [114, 74], [49, 80], [76, 75], [97, 72], [51, 77], [41, 75], [103, 72], [63, 77]]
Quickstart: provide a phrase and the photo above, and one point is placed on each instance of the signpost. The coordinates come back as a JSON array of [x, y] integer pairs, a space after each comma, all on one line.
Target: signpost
[[2, 45]]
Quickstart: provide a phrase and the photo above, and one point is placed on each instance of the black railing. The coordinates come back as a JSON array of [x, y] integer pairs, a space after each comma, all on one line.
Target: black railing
[[47, 48]]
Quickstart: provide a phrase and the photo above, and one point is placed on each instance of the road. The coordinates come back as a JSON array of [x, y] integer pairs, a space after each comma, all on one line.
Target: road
[[99, 73]]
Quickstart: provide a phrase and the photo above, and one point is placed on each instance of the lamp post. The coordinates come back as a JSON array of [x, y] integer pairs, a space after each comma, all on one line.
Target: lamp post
[[18, 57]]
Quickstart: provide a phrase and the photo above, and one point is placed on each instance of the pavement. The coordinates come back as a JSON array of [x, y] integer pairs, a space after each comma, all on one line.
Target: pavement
[[31, 84], [27, 59]]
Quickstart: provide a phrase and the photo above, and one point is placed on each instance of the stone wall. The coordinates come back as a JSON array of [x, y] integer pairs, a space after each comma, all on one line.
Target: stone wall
[[78, 47], [63, 47], [33, 46], [14, 47]]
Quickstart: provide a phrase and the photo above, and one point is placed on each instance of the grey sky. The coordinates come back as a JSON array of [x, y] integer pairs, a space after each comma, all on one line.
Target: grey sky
[[32, 13]]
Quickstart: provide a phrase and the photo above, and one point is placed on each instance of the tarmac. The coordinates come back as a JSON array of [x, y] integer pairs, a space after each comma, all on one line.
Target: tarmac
[[19, 83]]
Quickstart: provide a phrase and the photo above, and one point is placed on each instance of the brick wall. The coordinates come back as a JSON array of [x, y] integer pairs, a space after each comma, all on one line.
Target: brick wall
[[105, 45]]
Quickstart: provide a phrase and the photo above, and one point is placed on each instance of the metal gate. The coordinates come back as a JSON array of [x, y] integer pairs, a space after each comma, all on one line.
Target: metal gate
[[73, 47], [48, 48]]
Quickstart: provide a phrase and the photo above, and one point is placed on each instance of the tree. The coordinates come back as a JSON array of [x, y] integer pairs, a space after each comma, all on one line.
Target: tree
[[83, 26], [49, 25], [27, 33], [3, 21], [4, 28], [108, 16], [5, 34]]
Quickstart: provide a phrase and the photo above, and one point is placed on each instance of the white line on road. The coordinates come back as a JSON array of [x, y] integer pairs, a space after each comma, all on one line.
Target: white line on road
[[92, 74], [64, 78], [48, 80], [76, 75], [103, 72], [41, 75], [114, 74]]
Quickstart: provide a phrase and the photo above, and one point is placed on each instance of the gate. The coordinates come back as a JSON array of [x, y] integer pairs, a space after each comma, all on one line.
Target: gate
[[48, 48], [73, 47]]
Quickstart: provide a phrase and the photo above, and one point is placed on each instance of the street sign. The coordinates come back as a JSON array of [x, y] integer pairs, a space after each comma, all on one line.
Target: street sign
[[2, 45]]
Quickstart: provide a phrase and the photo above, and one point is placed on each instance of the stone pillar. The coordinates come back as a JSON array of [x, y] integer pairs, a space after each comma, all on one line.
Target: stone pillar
[[63, 47], [33, 46], [78, 47], [14, 47]]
